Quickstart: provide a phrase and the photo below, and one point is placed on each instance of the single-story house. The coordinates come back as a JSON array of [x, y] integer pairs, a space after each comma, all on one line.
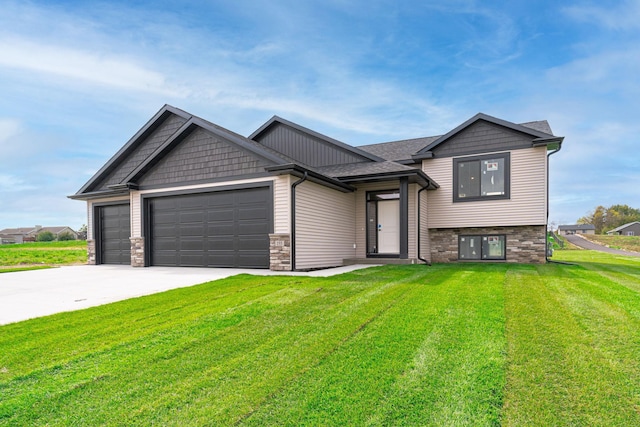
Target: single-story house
[[29, 234], [629, 229], [186, 192], [577, 229]]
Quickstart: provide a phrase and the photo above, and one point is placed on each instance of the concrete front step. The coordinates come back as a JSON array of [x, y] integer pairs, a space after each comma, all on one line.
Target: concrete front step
[[354, 261]]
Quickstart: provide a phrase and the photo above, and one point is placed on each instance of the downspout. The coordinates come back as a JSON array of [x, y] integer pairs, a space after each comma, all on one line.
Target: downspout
[[293, 220], [419, 223], [546, 225]]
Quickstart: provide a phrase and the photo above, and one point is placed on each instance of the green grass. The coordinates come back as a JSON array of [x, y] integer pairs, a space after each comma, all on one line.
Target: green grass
[[465, 344], [627, 243], [29, 256]]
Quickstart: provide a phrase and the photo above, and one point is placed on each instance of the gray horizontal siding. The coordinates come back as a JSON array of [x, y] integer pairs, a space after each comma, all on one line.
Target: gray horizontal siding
[[306, 148], [203, 156], [483, 137], [144, 150]]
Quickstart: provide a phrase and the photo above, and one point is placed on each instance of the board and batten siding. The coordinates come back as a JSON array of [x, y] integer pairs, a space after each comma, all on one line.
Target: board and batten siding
[[91, 204], [325, 226], [526, 205]]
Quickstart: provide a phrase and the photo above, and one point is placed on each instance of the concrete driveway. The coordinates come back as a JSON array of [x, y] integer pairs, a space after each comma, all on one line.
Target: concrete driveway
[[28, 294]]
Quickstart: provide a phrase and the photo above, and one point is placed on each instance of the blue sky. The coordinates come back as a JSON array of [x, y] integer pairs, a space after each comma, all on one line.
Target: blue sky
[[79, 78]]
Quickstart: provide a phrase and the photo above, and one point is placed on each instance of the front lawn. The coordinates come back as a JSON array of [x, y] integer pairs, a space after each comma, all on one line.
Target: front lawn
[[29, 256], [465, 344]]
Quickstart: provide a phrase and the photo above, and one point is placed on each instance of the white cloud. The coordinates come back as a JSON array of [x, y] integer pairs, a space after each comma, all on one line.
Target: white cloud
[[11, 183], [624, 16], [9, 128], [75, 64]]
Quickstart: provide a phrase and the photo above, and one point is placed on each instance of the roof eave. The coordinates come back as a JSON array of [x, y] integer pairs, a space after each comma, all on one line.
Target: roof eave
[[417, 176], [300, 171], [551, 143]]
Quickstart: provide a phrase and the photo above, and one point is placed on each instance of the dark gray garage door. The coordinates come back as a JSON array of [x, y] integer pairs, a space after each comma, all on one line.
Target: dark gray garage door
[[114, 227], [221, 229]]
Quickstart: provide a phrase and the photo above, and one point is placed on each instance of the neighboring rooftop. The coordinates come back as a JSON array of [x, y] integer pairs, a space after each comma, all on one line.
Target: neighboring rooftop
[[577, 227]]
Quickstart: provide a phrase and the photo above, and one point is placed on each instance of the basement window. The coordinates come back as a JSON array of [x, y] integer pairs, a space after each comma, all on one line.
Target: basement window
[[482, 248]]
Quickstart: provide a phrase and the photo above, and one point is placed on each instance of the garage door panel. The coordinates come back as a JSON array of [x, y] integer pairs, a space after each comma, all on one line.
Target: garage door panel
[[194, 244], [114, 232], [221, 214], [219, 229]]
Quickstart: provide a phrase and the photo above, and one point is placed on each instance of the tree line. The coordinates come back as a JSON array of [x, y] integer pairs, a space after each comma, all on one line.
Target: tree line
[[605, 219]]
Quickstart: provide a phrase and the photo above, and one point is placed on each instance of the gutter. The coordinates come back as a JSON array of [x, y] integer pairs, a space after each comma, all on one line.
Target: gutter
[[419, 222], [293, 220], [546, 225]]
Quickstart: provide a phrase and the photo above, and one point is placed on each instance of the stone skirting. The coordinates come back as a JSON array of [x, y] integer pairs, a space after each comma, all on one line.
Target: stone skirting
[[137, 251], [280, 252], [91, 252], [525, 244]]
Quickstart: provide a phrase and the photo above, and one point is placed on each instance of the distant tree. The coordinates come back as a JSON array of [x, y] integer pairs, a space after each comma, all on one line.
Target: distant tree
[[604, 219], [66, 236], [82, 232], [46, 236], [597, 218]]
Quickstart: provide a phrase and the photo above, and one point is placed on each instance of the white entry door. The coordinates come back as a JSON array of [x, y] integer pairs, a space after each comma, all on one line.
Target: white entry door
[[389, 226]]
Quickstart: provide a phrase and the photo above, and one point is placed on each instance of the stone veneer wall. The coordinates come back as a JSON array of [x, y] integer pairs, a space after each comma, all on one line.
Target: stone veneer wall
[[91, 252], [525, 244], [280, 252], [137, 251]]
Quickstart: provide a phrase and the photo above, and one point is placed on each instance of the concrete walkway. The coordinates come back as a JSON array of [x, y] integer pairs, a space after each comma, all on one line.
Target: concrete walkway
[[583, 243], [28, 294]]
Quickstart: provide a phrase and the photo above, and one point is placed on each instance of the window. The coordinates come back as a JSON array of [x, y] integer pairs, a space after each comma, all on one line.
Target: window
[[488, 247], [481, 178], [630, 233]]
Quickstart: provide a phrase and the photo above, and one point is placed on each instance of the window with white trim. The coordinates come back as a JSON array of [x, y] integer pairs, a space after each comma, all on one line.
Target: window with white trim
[[481, 178]]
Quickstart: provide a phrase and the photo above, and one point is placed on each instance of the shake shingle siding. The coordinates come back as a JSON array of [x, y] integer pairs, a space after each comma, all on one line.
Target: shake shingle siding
[[143, 151], [203, 156]]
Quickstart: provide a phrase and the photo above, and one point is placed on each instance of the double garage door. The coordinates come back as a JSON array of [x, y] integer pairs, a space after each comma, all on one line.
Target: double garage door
[[219, 229]]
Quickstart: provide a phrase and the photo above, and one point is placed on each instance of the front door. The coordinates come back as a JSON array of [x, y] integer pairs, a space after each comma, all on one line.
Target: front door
[[388, 226]]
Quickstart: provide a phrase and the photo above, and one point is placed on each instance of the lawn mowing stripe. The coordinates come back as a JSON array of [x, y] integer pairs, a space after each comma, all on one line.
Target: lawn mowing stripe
[[242, 383], [560, 368], [373, 369], [214, 339], [93, 329]]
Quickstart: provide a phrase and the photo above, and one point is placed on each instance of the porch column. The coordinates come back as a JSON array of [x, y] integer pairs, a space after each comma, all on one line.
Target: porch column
[[404, 218]]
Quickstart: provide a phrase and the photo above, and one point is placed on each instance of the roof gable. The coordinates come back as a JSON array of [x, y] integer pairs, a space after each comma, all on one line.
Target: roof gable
[[483, 133], [169, 128], [153, 134], [209, 156], [306, 146]]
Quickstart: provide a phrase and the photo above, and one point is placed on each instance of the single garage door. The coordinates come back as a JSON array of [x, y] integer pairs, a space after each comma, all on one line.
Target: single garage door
[[114, 228], [220, 229]]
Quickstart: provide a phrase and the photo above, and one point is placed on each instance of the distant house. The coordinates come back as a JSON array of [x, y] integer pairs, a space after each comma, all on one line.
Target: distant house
[[30, 234], [5, 239], [577, 229], [630, 229], [186, 192]]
